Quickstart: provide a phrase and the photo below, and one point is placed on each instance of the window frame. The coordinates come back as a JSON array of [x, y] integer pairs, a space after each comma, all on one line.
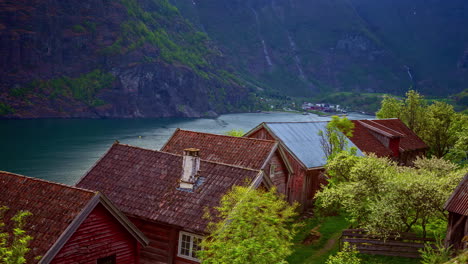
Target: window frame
[[179, 246]]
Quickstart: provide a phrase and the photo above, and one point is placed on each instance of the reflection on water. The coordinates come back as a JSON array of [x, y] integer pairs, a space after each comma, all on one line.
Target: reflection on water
[[63, 150]]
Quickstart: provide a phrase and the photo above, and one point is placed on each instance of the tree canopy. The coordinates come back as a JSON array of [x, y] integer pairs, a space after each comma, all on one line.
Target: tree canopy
[[383, 198], [235, 133], [437, 124], [253, 226], [13, 243], [334, 138]]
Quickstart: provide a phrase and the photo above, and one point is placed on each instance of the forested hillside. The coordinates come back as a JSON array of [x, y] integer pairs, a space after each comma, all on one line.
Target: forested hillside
[[310, 46], [161, 58]]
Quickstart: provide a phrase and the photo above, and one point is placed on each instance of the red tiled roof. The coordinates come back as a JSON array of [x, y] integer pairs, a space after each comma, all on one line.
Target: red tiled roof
[[239, 151], [53, 206], [458, 201], [366, 142], [144, 183], [410, 141], [380, 128]]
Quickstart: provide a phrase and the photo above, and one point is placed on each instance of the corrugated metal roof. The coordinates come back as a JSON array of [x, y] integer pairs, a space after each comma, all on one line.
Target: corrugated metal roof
[[458, 202], [302, 139]]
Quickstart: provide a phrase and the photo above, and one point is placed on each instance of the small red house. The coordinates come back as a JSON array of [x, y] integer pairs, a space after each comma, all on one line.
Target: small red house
[[388, 138], [69, 224], [166, 195], [300, 141], [457, 206], [257, 154]]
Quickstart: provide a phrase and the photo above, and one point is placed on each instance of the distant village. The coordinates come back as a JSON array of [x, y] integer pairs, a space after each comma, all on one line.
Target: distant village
[[326, 108], [137, 205]]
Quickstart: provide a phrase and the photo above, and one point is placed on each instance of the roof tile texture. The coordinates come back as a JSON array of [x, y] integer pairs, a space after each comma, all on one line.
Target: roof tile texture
[[239, 151], [458, 202], [53, 207], [144, 183]]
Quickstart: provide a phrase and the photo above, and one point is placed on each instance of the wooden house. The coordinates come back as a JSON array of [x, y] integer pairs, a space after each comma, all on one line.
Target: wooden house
[[388, 138], [300, 141], [165, 195], [457, 206], [69, 224], [257, 154]]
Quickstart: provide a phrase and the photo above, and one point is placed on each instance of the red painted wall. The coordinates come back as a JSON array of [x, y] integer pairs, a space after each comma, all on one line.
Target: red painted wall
[[394, 146], [280, 174], [162, 242], [100, 235]]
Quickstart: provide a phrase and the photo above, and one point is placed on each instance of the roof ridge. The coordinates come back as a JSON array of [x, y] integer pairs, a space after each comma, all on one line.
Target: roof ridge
[[398, 132], [254, 139], [49, 182], [178, 155]]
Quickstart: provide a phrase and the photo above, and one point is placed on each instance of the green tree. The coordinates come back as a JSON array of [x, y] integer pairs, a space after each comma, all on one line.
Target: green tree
[[391, 108], [441, 129], [254, 226], [335, 137], [14, 244], [437, 124], [235, 133], [382, 197]]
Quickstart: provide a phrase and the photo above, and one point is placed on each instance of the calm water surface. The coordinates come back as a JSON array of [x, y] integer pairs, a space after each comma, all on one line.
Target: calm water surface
[[62, 150]]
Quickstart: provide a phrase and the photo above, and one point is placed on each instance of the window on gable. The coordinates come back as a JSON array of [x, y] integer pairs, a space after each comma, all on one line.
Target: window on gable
[[107, 260], [189, 245], [272, 170]]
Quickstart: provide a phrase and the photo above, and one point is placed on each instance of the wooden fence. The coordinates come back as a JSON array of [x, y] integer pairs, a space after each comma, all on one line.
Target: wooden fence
[[405, 245]]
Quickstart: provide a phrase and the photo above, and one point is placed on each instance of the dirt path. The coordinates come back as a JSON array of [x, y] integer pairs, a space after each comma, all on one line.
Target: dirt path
[[325, 249]]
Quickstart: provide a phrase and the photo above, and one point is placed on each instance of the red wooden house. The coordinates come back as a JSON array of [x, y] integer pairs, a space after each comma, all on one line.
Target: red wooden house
[[257, 154], [166, 195], [69, 224], [457, 206], [388, 138], [300, 141]]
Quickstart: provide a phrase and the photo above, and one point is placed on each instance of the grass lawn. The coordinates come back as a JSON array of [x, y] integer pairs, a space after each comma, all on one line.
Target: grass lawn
[[328, 244], [317, 252]]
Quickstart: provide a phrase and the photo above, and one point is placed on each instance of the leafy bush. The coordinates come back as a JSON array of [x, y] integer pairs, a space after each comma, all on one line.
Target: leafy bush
[[5, 109], [439, 255], [349, 255]]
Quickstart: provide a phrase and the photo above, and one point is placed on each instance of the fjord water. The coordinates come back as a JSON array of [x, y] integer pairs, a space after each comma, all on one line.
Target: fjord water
[[62, 150]]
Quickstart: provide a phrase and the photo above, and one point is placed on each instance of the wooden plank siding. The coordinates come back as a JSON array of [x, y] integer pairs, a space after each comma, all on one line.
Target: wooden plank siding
[[279, 176], [100, 235], [164, 241], [160, 248]]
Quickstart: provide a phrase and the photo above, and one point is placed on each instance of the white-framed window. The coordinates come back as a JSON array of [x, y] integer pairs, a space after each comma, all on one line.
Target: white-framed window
[[189, 244]]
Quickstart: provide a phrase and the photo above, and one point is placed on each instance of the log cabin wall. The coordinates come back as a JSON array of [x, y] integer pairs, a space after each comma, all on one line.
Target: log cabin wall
[[99, 236], [278, 172], [295, 188], [163, 242]]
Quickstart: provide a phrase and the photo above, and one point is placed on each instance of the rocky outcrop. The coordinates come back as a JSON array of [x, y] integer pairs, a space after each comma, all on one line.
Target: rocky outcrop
[[161, 66]]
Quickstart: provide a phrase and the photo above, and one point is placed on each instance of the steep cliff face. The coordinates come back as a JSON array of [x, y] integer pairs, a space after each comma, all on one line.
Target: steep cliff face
[[339, 45], [104, 58]]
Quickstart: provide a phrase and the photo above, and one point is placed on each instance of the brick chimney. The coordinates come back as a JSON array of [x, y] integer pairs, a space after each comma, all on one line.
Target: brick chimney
[[190, 168]]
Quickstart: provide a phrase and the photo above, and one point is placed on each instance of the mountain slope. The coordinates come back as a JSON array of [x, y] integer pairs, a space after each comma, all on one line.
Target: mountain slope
[[309, 46], [103, 58]]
